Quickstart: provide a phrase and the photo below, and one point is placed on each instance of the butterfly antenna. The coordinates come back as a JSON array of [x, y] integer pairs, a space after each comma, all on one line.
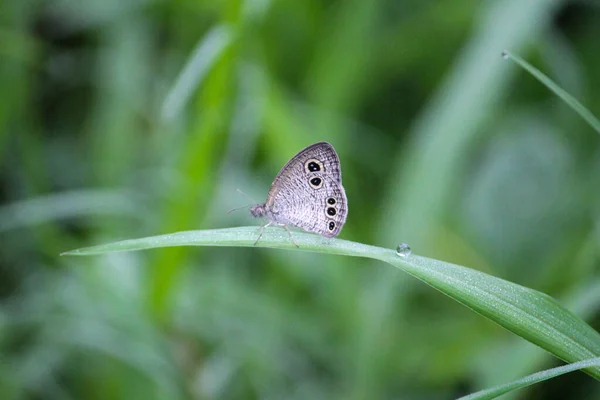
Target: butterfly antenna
[[238, 208], [247, 195], [247, 205]]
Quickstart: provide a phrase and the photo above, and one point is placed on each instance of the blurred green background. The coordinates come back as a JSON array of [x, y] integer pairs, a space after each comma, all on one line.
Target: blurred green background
[[131, 118]]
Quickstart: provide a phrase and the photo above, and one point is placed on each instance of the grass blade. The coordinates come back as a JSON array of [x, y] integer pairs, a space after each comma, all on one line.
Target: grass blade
[[560, 92], [530, 314], [529, 380], [206, 54], [72, 204]]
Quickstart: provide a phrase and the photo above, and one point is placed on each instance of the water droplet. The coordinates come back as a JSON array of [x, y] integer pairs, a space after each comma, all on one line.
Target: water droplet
[[403, 250], [505, 54]]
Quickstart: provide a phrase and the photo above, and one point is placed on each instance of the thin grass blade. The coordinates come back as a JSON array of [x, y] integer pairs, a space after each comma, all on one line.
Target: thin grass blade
[[560, 92], [530, 314], [529, 380]]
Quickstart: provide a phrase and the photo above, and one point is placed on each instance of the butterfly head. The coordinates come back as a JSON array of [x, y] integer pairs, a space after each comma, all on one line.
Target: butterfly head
[[258, 210]]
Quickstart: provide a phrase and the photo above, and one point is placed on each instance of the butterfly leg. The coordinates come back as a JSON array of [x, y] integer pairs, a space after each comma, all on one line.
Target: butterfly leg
[[261, 230], [291, 237]]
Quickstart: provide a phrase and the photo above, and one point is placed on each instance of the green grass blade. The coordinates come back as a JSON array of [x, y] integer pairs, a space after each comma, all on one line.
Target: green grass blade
[[72, 204], [206, 54], [560, 92], [529, 380], [530, 314]]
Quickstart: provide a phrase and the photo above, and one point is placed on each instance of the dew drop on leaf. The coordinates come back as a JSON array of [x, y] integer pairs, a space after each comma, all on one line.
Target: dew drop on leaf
[[403, 250]]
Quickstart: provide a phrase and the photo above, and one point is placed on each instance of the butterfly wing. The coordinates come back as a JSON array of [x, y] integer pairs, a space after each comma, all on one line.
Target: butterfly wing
[[308, 192]]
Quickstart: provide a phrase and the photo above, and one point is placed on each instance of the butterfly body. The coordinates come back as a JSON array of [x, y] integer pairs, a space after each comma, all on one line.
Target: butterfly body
[[308, 193]]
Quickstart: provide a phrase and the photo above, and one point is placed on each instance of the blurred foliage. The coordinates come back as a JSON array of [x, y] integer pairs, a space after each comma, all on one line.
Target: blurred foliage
[[123, 119]]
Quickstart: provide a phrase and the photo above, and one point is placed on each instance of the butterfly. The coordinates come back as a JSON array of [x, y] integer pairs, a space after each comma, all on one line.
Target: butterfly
[[307, 193]]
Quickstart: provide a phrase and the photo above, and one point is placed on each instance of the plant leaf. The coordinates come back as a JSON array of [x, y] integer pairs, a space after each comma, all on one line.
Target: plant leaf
[[530, 314], [560, 92], [207, 52], [529, 380]]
